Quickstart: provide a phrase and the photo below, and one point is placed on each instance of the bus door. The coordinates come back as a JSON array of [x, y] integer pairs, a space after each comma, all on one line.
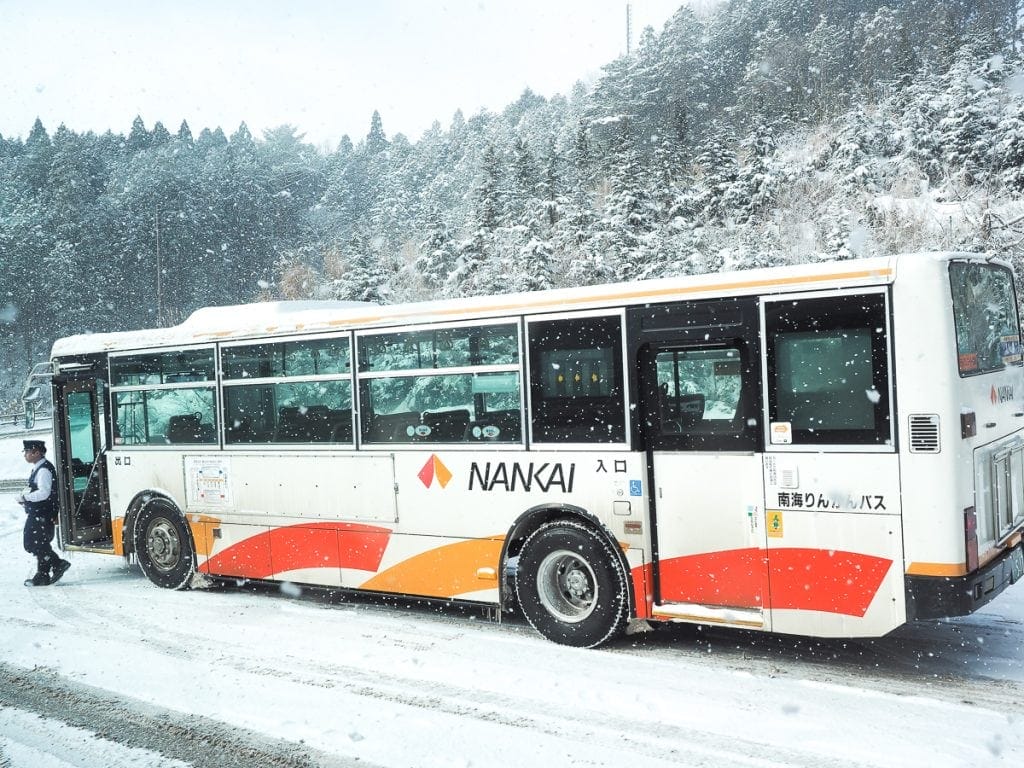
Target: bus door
[[80, 428], [699, 378]]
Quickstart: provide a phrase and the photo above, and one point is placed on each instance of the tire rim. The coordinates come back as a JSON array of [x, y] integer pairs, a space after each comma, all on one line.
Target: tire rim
[[163, 545], [567, 586]]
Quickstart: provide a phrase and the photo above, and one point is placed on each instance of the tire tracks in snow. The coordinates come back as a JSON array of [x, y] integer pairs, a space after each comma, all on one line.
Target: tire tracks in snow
[[668, 743], [192, 739], [876, 665]]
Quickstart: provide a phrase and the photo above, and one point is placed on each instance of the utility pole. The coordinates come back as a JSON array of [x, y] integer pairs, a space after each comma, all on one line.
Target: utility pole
[[629, 28], [159, 291], [160, 265]]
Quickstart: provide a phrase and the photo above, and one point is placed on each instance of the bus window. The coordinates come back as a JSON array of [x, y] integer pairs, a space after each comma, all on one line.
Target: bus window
[[163, 398], [441, 385], [439, 348], [576, 380], [699, 390], [165, 416], [288, 392], [442, 408], [307, 357], [157, 368], [985, 311], [295, 412], [828, 370]]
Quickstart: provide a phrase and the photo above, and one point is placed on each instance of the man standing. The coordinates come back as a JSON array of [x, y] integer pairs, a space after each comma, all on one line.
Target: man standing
[[40, 501]]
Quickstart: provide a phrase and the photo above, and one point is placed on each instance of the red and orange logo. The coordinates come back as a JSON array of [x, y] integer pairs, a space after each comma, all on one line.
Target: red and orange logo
[[434, 469]]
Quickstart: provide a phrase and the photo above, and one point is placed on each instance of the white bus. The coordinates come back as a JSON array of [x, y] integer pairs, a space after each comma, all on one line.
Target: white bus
[[829, 450]]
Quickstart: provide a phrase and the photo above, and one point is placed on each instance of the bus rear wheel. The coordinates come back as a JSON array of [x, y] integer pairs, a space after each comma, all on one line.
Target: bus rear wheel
[[572, 586], [163, 545]]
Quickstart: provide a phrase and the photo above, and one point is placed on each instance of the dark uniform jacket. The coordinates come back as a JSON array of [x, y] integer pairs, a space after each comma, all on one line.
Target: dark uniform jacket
[[47, 508]]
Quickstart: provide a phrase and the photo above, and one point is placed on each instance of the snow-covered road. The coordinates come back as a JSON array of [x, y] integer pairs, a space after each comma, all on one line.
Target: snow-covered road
[[105, 669]]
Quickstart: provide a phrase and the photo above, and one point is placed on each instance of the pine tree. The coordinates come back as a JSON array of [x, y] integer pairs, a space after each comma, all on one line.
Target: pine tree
[[34, 165], [160, 135], [376, 141], [139, 138], [436, 261]]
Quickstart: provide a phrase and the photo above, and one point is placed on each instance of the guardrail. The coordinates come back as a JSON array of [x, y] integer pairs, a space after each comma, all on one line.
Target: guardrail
[[14, 423]]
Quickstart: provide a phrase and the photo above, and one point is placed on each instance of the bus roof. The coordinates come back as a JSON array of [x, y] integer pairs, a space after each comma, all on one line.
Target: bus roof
[[291, 318]]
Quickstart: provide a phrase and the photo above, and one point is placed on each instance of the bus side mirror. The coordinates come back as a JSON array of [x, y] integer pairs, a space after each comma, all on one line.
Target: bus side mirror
[[30, 395]]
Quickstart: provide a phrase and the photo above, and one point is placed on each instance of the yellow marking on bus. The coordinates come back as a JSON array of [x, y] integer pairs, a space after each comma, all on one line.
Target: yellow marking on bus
[[447, 571], [637, 294], [117, 534], [202, 532], [936, 569]]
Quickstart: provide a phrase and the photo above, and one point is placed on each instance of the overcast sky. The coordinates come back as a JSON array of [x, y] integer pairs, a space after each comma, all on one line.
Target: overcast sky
[[318, 65]]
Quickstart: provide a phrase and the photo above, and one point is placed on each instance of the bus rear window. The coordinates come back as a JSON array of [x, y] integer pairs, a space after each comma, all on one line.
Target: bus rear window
[[985, 312]]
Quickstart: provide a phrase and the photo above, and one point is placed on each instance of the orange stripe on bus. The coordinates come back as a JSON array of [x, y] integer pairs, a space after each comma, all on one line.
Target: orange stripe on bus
[[117, 534], [650, 293], [936, 569], [637, 294], [446, 571]]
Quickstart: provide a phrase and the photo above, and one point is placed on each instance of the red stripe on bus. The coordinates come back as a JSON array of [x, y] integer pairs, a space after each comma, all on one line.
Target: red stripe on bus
[[296, 547], [731, 578], [827, 580]]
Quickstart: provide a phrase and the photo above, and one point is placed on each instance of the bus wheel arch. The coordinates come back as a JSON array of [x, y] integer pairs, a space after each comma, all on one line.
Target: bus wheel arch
[[568, 575], [162, 541]]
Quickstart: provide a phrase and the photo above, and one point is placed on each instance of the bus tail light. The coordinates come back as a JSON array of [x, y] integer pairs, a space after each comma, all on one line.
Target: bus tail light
[[971, 538]]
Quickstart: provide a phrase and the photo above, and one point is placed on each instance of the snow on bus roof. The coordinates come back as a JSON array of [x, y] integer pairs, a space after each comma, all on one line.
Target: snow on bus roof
[[292, 317], [216, 322], [260, 314]]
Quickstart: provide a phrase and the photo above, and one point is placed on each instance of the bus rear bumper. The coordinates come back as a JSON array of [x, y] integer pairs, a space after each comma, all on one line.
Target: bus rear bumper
[[937, 597]]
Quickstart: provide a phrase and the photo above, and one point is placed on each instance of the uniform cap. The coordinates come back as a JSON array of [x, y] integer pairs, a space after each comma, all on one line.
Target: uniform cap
[[35, 445]]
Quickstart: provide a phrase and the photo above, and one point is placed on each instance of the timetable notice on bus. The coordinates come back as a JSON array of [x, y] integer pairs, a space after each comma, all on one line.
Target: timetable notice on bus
[[207, 481]]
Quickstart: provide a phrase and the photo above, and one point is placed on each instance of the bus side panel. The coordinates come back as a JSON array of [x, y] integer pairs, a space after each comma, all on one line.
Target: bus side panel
[[458, 495], [835, 544], [331, 519]]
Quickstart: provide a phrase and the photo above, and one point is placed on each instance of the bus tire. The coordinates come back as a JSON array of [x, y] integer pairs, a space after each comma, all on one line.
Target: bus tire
[[572, 586], [163, 545]]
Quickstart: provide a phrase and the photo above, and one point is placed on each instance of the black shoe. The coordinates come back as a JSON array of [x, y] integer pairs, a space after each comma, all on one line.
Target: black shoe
[[39, 580], [59, 569]]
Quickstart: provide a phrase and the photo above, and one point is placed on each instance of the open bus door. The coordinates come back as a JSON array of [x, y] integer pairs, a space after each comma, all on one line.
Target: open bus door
[[81, 433], [699, 378]]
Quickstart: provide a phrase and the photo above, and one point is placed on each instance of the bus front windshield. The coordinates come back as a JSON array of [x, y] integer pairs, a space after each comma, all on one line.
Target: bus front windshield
[[985, 312]]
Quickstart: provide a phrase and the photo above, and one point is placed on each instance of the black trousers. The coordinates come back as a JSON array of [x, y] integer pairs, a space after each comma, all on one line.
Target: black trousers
[[38, 535]]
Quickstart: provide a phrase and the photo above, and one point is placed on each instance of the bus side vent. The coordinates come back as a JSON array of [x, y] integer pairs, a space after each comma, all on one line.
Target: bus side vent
[[924, 433]]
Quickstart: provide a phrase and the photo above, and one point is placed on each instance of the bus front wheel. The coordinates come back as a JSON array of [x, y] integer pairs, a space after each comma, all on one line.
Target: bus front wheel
[[163, 545], [571, 585]]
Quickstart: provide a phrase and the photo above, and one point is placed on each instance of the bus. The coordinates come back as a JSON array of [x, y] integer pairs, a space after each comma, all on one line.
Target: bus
[[827, 450]]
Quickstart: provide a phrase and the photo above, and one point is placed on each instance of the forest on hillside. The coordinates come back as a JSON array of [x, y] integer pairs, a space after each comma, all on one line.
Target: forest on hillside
[[760, 132]]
